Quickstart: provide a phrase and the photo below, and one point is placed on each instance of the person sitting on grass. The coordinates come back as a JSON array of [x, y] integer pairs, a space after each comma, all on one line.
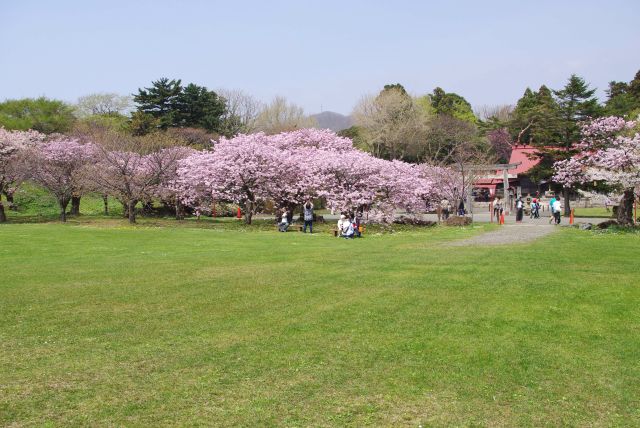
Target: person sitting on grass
[[284, 222], [347, 229], [339, 226], [357, 224]]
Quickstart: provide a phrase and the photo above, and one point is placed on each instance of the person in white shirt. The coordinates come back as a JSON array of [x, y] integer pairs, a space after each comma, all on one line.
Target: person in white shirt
[[519, 209], [284, 222], [343, 219], [347, 229], [557, 210]]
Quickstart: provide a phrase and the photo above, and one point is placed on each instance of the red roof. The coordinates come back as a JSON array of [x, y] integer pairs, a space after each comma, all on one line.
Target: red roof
[[523, 154]]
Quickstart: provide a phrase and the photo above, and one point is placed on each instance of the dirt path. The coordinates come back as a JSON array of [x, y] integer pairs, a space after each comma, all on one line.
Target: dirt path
[[509, 234]]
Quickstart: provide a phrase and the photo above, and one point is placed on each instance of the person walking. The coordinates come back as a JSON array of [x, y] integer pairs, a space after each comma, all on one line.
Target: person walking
[[551, 202], [497, 208], [308, 217], [557, 210], [461, 208], [519, 209], [535, 208]]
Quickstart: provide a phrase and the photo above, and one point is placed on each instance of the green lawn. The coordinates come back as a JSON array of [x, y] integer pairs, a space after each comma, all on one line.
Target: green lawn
[[106, 324], [593, 212]]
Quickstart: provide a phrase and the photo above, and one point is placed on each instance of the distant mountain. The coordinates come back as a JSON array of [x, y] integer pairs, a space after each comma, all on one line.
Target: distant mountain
[[334, 121]]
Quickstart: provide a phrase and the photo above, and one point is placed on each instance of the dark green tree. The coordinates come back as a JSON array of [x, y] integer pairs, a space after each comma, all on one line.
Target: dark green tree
[[395, 87], [536, 119], [577, 103], [174, 105], [623, 99], [200, 108], [41, 114], [161, 101]]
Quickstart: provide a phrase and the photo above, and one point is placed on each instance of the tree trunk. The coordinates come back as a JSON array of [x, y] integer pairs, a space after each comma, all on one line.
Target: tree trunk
[[248, 212], [75, 205], [105, 201], [567, 203], [125, 210], [131, 208], [625, 209], [3, 216], [12, 205], [63, 209], [179, 210]]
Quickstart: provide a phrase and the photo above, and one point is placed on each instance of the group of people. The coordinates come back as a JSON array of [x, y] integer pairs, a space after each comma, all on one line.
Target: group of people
[[446, 208], [350, 226], [555, 207], [534, 208], [287, 217]]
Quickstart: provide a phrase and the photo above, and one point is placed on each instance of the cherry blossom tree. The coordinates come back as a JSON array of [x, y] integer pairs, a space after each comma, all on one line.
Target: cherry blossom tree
[[243, 170], [609, 152], [194, 181], [290, 167], [445, 183], [13, 165], [131, 170], [166, 163], [57, 166], [348, 178]]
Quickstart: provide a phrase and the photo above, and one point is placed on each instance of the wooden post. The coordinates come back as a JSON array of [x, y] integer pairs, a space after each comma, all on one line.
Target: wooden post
[[505, 182]]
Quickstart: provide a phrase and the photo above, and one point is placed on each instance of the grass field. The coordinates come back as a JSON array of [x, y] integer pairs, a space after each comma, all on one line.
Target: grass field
[[593, 212], [106, 324]]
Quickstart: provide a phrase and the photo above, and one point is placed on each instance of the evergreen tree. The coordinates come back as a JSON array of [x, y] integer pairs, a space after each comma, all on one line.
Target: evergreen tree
[[173, 105], [395, 87], [623, 99], [200, 108], [577, 104], [536, 118], [160, 101]]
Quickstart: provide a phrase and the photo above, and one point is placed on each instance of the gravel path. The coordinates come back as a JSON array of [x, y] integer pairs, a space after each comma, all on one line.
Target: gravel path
[[509, 234]]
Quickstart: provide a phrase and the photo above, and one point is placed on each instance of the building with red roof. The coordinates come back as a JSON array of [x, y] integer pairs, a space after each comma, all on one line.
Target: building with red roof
[[524, 157]]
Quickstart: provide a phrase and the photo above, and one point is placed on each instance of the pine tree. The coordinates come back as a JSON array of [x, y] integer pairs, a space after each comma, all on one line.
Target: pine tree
[[577, 104], [160, 101], [200, 108], [536, 118]]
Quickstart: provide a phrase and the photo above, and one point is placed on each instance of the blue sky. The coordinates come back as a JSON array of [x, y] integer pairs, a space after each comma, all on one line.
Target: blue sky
[[317, 54]]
